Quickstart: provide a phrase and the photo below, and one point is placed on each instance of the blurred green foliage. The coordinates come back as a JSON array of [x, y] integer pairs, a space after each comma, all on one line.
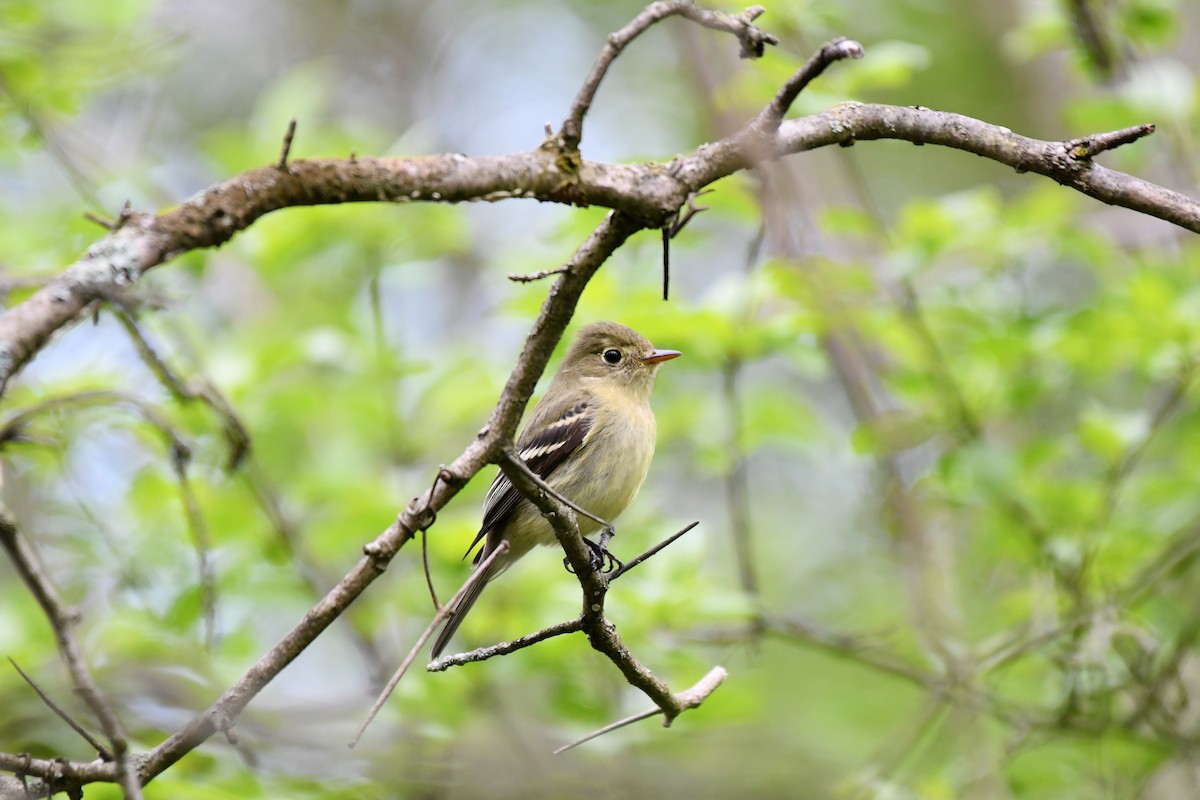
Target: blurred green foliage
[[960, 415]]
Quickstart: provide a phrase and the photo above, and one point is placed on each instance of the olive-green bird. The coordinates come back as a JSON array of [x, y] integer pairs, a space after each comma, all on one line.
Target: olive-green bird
[[590, 438]]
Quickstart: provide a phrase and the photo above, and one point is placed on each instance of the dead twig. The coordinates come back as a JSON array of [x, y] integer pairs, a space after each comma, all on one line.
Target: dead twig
[[753, 40], [438, 618]]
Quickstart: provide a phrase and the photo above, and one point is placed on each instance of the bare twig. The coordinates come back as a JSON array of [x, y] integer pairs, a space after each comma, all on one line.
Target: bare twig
[[203, 391], [428, 518], [1093, 37], [99, 220], [737, 482], [100, 749], [653, 551], [286, 149], [753, 43], [1089, 146], [202, 545], [63, 623], [830, 53], [443, 612], [504, 648], [638, 717], [689, 698], [669, 232], [536, 276], [666, 262]]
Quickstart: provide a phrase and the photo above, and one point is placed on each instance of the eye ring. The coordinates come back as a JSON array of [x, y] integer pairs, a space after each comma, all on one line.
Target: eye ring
[[612, 356]]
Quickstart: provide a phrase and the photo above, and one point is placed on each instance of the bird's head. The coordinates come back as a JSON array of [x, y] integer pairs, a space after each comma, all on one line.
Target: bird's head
[[616, 355]]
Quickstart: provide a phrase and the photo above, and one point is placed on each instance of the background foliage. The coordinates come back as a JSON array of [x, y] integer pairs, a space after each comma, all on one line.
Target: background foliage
[[939, 421]]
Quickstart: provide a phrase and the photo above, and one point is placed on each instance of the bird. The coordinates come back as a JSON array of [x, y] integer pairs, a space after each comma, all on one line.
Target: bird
[[590, 438]]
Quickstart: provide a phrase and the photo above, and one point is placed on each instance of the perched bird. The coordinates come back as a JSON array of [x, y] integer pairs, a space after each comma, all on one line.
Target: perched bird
[[590, 438]]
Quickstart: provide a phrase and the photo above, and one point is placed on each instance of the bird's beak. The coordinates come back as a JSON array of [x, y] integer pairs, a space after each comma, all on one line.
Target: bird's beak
[[658, 356]]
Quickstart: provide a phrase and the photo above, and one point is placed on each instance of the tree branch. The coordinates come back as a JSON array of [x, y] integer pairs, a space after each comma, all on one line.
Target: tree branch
[[753, 41], [649, 193], [62, 622]]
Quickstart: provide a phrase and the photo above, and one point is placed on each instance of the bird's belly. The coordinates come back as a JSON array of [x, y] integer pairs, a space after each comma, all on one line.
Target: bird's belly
[[608, 494]]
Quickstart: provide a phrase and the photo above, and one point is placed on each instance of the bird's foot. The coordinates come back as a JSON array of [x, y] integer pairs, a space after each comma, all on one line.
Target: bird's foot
[[602, 558]]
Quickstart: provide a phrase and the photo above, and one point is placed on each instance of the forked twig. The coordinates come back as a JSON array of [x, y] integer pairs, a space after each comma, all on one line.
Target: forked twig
[[753, 40], [101, 750]]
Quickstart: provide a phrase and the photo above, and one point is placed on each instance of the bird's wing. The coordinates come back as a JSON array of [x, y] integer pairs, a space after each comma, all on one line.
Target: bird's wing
[[543, 449]]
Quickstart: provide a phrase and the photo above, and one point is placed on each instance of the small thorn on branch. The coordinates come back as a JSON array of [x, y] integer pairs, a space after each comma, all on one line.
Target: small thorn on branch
[[287, 145], [123, 217], [537, 276], [1090, 146]]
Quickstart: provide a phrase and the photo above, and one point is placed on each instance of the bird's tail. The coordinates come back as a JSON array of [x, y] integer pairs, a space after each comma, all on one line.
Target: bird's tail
[[464, 604]]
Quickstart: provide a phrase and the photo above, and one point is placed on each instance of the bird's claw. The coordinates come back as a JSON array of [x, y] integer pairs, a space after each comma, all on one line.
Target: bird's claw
[[602, 559]]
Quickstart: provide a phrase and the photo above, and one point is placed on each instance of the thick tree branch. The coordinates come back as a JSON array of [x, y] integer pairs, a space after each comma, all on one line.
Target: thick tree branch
[[649, 193]]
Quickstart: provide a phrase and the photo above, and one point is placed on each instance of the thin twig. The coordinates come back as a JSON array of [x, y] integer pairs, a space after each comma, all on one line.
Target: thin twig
[[202, 544], [286, 150], [100, 749], [752, 38], [536, 276], [476, 575], [666, 262], [63, 622], [1087, 147], [236, 433], [428, 517], [689, 698], [737, 482], [1094, 39], [830, 53], [504, 648], [107, 224], [638, 717], [653, 551]]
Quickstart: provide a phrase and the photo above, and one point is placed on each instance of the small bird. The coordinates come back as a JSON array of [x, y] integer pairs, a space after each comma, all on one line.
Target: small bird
[[590, 438]]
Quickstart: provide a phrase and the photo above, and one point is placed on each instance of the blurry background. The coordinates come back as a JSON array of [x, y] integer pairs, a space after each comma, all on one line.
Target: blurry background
[[938, 420]]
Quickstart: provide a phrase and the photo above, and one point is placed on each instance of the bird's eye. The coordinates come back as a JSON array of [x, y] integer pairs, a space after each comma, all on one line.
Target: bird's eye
[[612, 356]]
